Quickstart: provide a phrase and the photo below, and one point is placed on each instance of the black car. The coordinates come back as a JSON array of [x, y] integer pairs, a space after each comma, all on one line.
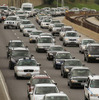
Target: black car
[[91, 52], [53, 50], [68, 65], [13, 44], [59, 58], [16, 54], [78, 76]]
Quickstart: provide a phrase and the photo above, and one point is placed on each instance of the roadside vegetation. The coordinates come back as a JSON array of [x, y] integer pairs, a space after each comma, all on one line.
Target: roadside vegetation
[[93, 4]]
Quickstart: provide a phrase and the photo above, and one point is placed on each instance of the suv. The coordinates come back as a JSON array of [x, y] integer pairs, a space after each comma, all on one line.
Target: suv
[[91, 52], [78, 76], [91, 88], [38, 79], [11, 21]]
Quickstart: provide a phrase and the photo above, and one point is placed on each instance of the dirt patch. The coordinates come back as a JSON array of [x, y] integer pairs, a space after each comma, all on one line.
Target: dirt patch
[[82, 30]]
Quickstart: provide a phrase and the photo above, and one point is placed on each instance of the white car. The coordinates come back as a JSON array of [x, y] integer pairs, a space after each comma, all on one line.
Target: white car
[[26, 67], [55, 96], [71, 38], [11, 21], [43, 43], [45, 23], [28, 29], [24, 23], [91, 88], [84, 43], [41, 89], [52, 24], [63, 31]]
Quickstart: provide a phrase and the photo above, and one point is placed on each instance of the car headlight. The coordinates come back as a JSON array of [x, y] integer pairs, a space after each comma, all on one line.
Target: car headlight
[[13, 60], [74, 81], [50, 54], [19, 70], [22, 26], [66, 39], [89, 55], [58, 62], [67, 70], [83, 47], [94, 95]]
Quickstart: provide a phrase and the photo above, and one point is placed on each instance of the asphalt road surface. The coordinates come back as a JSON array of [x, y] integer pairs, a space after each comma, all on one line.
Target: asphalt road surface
[[18, 88]]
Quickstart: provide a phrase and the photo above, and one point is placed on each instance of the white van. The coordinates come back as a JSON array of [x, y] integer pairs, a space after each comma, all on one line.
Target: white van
[[27, 7]]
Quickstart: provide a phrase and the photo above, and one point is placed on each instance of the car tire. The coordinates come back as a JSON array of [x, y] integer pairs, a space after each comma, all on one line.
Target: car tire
[[70, 85], [64, 76], [88, 59], [16, 76], [10, 67], [5, 27], [85, 98]]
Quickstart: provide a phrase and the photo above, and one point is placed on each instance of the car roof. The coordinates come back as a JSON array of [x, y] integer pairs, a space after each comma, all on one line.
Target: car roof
[[71, 31], [72, 60], [79, 68], [93, 44], [56, 94], [88, 39], [40, 76], [45, 85], [27, 58], [67, 27], [55, 46], [16, 41], [20, 48], [62, 52]]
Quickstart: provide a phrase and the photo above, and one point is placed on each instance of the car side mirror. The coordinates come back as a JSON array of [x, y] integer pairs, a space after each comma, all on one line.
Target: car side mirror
[[28, 83], [73, 57], [86, 85]]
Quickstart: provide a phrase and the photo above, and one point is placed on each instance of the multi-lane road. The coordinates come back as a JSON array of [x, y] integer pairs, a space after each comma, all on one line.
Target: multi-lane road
[[18, 88]]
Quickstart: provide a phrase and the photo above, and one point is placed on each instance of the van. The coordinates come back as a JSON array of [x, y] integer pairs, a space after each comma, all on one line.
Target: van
[[28, 7]]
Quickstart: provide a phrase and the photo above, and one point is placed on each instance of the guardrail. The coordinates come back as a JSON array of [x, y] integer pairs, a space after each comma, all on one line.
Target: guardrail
[[84, 22], [4, 94]]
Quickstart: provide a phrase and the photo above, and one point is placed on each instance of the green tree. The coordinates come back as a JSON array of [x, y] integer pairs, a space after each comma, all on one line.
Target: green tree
[[48, 1], [97, 2], [72, 0]]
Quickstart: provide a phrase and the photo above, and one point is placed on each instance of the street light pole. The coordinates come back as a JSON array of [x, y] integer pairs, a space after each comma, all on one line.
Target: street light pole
[[62, 3]]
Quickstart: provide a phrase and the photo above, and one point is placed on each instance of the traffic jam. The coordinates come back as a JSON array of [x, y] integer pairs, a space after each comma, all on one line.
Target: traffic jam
[[53, 39]]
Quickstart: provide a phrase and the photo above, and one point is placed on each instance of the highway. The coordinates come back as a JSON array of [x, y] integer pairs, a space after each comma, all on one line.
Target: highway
[[18, 88]]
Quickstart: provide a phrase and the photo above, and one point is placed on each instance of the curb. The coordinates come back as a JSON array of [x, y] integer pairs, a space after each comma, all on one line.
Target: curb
[[4, 88]]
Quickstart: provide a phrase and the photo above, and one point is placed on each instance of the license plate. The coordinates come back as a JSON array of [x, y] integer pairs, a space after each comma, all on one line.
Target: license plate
[[82, 83], [28, 74]]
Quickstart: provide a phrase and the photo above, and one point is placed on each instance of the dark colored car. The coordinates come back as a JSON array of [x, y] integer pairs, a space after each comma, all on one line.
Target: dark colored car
[[91, 52], [68, 65], [78, 76], [16, 54], [60, 57], [53, 50]]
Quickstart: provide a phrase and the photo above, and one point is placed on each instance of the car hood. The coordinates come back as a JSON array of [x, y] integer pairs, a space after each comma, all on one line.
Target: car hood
[[34, 36], [72, 37], [39, 97], [45, 44], [80, 78], [94, 91], [27, 67]]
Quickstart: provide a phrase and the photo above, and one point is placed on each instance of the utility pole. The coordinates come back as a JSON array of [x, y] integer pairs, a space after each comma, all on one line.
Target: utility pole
[[57, 3], [62, 3]]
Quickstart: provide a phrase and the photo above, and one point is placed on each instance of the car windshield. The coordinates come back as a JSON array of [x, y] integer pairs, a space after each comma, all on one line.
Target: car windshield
[[31, 26], [19, 13], [55, 22], [16, 44], [12, 18], [46, 20], [85, 42], [73, 63], [94, 49], [36, 33], [45, 40], [71, 34], [18, 53], [40, 80], [63, 56], [45, 90], [27, 8], [56, 98], [12, 8], [59, 25], [81, 72], [4, 8], [26, 22], [56, 49], [94, 84], [27, 62], [66, 29], [22, 17]]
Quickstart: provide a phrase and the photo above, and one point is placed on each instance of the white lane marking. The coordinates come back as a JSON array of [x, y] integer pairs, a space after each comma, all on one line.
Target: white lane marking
[[5, 89]]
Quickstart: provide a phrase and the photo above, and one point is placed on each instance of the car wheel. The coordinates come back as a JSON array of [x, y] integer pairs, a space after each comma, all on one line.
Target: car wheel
[[16, 76], [64, 44], [70, 85], [20, 30], [64, 76], [84, 58], [16, 27], [88, 59], [10, 67], [5, 27], [86, 98]]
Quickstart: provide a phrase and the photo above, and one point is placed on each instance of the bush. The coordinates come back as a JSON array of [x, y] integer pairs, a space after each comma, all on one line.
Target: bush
[[48, 1], [97, 2], [72, 0]]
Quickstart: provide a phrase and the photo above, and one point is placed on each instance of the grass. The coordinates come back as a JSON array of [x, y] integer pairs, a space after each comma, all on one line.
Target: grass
[[90, 4]]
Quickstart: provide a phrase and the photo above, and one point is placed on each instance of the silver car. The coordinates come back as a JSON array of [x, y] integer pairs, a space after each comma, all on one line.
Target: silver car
[[83, 44], [63, 31], [71, 38], [43, 43], [57, 28], [11, 21]]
